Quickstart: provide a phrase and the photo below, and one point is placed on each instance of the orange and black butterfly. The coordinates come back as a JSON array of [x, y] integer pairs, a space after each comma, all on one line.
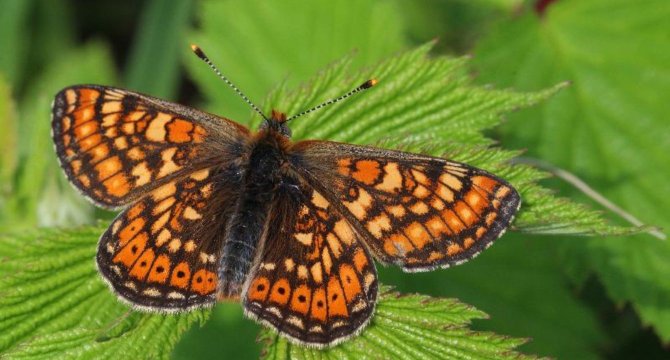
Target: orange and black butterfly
[[215, 211]]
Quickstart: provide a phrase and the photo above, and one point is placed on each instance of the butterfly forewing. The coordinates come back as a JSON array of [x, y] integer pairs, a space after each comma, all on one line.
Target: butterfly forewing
[[315, 281], [115, 145], [415, 211]]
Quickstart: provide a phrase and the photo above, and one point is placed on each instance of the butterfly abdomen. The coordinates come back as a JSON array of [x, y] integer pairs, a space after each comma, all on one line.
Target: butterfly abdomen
[[246, 226]]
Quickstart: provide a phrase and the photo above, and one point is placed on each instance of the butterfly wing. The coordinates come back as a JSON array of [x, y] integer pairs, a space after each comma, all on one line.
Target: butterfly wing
[[314, 281], [415, 211], [163, 252], [116, 145]]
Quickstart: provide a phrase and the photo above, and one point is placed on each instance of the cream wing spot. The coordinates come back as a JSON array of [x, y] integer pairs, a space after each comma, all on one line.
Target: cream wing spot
[[174, 245], [268, 266], [163, 205], [206, 190], [326, 260], [191, 214], [419, 208], [71, 98], [317, 273], [200, 175], [421, 192], [164, 191], [343, 232], [379, 224], [128, 128], [169, 166], [437, 204], [334, 244], [153, 292], [189, 246], [116, 226], [289, 264], [121, 143], [444, 193], [136, 115], [457, 170], [302, 272], [109, 107], [110, 120], [136, 153], [360, 206], [502, 192], [392, 180], [397, 211], [156, 130], [319, 201], [163, 237], [451, 181], [175, 295], [141, 173], [295, 322], [304, 238], [160, 223]]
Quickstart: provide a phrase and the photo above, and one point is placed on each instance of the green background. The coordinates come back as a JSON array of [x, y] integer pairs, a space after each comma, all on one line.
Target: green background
[[576, 297]]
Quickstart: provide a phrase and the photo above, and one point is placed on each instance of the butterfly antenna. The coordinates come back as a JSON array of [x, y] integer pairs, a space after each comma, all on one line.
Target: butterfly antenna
[[364, 86], [201, 54]]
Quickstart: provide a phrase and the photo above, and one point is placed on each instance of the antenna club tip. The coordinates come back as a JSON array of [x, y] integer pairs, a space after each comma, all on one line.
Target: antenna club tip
[[198, 51], [370, 83]]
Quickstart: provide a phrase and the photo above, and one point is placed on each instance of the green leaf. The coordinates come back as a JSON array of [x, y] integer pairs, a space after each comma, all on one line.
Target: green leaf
[[41, 193], [13, 39], [54, 303], [32, 34], [611, 125], [207, 341], [520, 293], [257, 44], [409, 326], [154, 58], [456, 24]]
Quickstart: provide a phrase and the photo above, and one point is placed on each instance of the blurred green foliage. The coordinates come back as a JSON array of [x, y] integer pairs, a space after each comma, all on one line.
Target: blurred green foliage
[[576, 297]]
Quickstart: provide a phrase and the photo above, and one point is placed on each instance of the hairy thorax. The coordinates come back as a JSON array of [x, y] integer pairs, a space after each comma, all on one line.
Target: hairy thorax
[[267, 169]]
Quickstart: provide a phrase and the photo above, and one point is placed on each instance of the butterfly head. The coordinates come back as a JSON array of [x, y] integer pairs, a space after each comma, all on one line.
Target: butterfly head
[[277, 123]]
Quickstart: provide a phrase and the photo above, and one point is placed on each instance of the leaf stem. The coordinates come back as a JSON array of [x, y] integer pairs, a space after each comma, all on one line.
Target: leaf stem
[[582, 186]]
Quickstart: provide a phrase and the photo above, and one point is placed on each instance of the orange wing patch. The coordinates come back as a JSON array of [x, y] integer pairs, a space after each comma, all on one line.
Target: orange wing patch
[[315, 281], [115, 145], [162, 253]]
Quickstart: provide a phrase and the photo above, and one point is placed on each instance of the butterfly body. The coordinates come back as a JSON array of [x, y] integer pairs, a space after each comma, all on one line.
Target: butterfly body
[[214, 211], [265, 174]]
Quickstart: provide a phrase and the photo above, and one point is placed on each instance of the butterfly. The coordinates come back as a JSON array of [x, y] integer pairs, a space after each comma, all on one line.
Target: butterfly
[[214, 211]]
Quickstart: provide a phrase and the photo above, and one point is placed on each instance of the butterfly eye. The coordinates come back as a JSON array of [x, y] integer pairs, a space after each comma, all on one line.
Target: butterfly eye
[[285, 130]]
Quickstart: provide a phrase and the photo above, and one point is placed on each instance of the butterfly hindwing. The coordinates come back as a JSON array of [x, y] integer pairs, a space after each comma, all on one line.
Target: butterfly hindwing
[[418, 212], [314, 280], [115, 145], [163, 252]]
